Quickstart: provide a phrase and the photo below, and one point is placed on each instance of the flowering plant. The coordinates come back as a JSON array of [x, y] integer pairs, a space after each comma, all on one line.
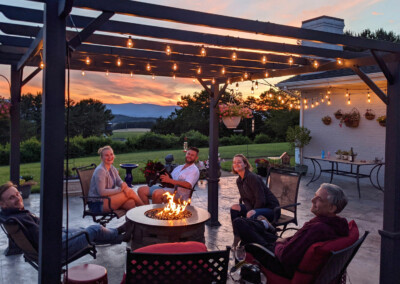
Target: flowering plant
[[230, 109], [262, 163], [4, 108], [150, 169]]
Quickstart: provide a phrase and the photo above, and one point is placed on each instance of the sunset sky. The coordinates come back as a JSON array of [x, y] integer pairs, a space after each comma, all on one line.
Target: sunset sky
[[119, 88]]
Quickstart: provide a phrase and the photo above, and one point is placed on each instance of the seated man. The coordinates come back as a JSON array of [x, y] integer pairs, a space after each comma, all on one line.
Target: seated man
[[12, 205], [328, 201], [184, 176]]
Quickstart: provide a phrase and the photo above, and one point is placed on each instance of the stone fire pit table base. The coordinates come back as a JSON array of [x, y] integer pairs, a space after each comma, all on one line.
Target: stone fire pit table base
[[149, 231]]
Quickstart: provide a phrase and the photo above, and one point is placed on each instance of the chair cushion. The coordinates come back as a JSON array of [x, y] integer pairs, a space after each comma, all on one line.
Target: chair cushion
[[185, 247]]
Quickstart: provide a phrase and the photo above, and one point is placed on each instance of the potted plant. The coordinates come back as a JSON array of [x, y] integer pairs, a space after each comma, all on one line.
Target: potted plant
[[345, 155], [369, 114], [351, 119], [338, 114], [232, 113], [338, 154], [326, 120], [4, 108], [298, 137], [150, 170], [382, 120], [25, 185], [262, 166]]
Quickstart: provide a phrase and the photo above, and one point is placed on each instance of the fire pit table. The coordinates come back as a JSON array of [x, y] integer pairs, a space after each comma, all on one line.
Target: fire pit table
[[148, 231]]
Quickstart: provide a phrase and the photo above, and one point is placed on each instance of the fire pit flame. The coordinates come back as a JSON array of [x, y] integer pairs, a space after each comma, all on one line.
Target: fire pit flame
[[173, 208]]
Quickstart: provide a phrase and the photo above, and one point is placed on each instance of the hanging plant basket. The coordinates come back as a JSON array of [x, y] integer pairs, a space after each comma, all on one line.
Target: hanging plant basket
[[326, 120], [231, 121], [338, 114], [369, 114], [382, 120], [352, 118]]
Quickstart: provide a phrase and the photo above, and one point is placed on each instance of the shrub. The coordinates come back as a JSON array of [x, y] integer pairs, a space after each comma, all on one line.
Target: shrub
[[153, 141], [92, 144], [239, 140], [30, 150], [262, 138], [131, 144], [224, 141], [4, 154], [119, 146], [194, 139]]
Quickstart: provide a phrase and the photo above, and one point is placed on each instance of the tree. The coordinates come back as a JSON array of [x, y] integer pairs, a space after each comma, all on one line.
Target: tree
[[379, 34], [31, 115], [89, 118]]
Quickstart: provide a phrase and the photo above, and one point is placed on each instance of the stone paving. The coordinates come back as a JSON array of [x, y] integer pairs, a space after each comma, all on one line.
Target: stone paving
[[367, 212]]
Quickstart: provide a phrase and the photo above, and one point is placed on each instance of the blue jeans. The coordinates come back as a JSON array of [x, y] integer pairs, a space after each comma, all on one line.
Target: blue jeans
[[97, 234]]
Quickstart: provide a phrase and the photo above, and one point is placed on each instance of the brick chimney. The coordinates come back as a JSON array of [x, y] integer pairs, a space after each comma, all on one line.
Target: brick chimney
[[325, 24]]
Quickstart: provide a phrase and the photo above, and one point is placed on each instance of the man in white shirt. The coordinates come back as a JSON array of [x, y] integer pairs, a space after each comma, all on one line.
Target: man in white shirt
[[184, 176]]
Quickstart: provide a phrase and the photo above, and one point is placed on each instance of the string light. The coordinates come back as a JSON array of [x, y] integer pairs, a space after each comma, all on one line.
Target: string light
[[129, 42], [87, 60], [223, 70], [131, 74], [347, 93], [252, 89], [237, 86], [234, 56], [315, 64], [317, 103], [168, 50], [270, 95], [241, 79], [282, 101], [194, 80], [328, 93], [322, 100], [264, 59], [279, 97], [173, 77], [213, 80], [199, 70], [329, 101], [107, 73], [119, 62], [306, 107], [203, 51], [41, 65], [256, 85], [175, 67], [228, 81], [339, 61], [266, 74], [83, 73], [348, 101], [153, 77], [246, 75], [368, 97], [305, 100], [312, 103], [291, 105], [290, 60], [148, 67]]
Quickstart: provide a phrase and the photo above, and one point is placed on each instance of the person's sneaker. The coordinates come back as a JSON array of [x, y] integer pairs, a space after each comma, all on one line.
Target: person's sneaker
[[270, 228]]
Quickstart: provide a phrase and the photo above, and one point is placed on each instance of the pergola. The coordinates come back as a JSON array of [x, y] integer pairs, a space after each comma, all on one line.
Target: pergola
[[62, 40]]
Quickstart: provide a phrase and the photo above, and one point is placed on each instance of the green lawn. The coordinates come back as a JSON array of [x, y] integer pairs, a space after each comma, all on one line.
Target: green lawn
[[227, 152]]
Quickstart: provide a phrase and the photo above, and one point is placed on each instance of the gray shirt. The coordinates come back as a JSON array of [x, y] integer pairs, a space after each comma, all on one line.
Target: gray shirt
[[105, 182]]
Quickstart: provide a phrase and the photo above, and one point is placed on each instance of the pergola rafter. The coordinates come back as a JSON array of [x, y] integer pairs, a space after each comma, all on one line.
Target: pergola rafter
[[104, 39]]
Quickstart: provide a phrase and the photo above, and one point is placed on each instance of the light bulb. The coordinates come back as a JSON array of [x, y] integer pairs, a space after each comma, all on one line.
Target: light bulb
[[256, 85], [199, 70], [237, 86], [148, 67], [41, 65], [315, 64], [279, 97], [131, 74], [317, 103], [173, 77], [266, 74], [129, 42], [290, 61], [291, 105], [168, 50], [175, 67], [339, 61], [322, 100], [234, 56], [119, 62], [223, 70], [83, 73], [270, 95], [306, 106], [213, 80], [369, 100], [107, 73], [305, 101], [347, 93], [194, 80], [329, 101], [264, 59], [228, 81], [203, 51], [246, 75], [87, 60], [282, 101], [153, 77], [252, 89], [312, 105]]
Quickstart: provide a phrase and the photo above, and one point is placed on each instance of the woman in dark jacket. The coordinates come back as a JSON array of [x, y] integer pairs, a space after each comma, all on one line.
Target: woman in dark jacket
[[255, 197]]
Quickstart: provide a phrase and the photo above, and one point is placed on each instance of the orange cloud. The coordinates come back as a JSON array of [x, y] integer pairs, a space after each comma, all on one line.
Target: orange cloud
[[376, 13]]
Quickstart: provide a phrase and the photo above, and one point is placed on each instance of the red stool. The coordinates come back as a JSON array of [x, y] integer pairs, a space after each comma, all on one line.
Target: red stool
[[86, 273]]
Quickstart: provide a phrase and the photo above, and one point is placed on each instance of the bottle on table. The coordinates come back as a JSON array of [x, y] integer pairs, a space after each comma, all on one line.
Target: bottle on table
[[323, 154], [351, 155]]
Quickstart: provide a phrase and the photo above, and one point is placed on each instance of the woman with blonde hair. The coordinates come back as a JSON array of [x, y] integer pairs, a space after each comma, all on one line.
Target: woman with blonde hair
[[255, 197], [107, 182]]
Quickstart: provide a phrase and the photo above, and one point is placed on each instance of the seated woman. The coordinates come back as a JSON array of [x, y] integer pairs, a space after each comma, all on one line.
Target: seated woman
[[106, 182], [255, 197]]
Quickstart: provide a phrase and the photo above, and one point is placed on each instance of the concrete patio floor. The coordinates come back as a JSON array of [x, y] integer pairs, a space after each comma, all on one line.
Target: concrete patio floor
[[367, 212]]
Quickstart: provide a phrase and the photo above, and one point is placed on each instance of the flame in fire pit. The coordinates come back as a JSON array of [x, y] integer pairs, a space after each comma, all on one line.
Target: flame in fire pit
[[173, 209]]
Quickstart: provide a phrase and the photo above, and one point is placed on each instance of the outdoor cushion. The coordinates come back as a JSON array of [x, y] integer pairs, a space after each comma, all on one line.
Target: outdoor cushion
[[313, 260]]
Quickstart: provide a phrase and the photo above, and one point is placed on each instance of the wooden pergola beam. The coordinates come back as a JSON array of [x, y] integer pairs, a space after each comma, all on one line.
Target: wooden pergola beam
[[35, 47]]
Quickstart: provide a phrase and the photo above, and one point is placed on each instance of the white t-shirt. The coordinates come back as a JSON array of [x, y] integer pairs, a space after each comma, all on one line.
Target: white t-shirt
[[190, 174]]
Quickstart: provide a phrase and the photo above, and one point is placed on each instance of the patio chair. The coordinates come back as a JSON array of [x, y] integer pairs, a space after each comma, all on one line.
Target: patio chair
[[323, 262], [85, 176], [183, 193], [285, 186], [177, 263], [17, 232]]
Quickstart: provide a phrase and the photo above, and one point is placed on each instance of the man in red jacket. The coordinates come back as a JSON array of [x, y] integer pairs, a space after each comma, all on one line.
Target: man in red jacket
[[328, 201]]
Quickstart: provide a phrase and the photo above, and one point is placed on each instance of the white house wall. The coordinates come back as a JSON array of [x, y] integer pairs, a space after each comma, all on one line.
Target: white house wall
[[368, 139]]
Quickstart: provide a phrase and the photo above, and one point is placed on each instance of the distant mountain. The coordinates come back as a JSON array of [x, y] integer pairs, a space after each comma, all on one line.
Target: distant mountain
[[141, 110]]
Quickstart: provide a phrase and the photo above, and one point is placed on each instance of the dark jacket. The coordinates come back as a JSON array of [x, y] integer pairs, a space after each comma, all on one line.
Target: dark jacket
[[28, 220], [319, 229], [254, 193]]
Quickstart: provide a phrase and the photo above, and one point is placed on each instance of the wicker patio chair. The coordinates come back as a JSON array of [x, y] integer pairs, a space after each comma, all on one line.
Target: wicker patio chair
[[85, 176]]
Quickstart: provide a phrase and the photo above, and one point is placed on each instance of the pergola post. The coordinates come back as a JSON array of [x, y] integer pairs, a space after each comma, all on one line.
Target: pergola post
[[390, 242], [52, 151], [213, 178], [16, 81]]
